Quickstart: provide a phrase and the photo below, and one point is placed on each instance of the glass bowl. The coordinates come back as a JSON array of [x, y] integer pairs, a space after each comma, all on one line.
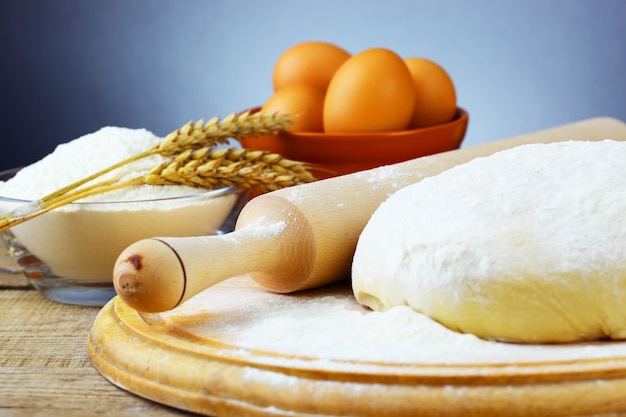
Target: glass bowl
[[68, 253], [345, 153]]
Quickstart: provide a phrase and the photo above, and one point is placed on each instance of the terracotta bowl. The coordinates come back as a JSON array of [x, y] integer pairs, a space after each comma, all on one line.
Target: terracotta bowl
[[338, 154]]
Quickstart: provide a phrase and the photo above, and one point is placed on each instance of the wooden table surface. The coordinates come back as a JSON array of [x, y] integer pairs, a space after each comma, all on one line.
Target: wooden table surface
[[44, 366]]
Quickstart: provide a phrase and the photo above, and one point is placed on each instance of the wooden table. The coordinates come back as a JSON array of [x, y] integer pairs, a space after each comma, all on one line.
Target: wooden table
[[44, 366]]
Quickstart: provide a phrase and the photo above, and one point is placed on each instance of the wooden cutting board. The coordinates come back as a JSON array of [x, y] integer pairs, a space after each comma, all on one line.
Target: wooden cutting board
[[237, 350]]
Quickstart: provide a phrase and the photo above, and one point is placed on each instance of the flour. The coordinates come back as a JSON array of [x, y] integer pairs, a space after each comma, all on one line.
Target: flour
[[527, 245], [261, 228], [398, 175], [79, 158], [267, 230]]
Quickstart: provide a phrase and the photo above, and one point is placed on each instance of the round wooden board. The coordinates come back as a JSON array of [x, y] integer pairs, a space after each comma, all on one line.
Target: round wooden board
[[237, 350]]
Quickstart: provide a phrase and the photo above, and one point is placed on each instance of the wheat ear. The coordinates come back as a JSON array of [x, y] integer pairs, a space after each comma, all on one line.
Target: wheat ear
[[199, 135], [254, 170]]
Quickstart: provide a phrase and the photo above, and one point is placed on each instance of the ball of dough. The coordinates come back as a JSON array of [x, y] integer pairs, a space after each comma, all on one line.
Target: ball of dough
[[526, 245]]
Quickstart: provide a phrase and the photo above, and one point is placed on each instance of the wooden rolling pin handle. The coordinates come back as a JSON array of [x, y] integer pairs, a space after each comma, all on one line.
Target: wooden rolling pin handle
[[158, 274]]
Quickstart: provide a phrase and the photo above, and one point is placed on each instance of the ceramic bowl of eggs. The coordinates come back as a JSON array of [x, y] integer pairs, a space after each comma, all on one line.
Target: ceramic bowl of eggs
[[352, 112]]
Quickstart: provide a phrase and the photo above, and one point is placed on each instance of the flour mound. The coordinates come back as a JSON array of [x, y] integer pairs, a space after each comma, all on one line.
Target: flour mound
[[526, 245], [86, 155]]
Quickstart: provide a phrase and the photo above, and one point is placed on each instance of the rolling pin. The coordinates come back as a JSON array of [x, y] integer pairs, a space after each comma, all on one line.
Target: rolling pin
[[299, 237]]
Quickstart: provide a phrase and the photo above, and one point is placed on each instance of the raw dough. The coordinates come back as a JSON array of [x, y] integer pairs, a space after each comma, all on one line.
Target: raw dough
[[526, 245]]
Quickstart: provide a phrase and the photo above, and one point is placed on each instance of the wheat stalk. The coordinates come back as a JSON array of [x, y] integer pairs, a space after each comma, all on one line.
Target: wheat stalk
[[255, 170], [200, 135], [193, 162]]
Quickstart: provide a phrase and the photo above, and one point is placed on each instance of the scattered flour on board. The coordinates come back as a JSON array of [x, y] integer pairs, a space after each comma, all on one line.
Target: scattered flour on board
[[328, 326]]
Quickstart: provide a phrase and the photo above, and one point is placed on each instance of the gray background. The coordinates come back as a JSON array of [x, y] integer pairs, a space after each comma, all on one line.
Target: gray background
[[70, 67]]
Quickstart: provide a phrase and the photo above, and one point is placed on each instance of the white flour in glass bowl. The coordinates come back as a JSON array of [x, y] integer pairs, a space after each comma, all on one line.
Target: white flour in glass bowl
[[82, 240]]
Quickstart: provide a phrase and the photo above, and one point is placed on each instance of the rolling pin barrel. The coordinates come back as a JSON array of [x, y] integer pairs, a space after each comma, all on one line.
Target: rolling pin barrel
[[299, 237]]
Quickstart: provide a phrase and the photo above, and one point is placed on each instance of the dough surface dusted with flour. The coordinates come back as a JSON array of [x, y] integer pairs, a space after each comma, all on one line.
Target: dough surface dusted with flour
[[526, 245]]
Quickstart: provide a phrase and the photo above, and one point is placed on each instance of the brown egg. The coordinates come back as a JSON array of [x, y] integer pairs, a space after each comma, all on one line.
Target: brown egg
[[435, 93], [312, 63], [371, 92], [302, 102]]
